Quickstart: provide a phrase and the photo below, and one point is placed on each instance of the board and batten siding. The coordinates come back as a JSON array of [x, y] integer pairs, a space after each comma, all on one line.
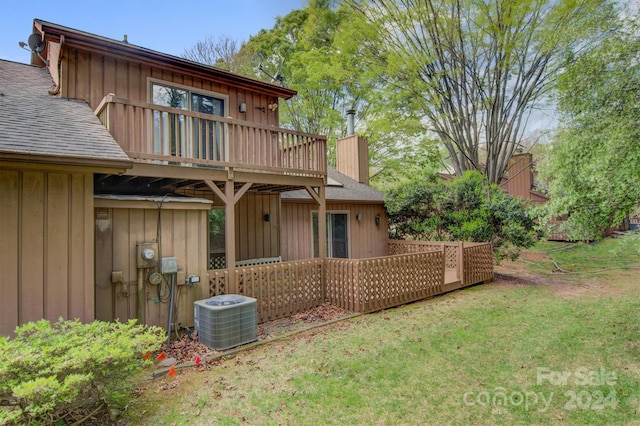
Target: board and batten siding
[[366, 239], [119, 227], [257, 237], [92, 75], [46, 254]]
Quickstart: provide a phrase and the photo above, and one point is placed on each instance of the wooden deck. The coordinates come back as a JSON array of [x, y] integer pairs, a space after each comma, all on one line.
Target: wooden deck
[[151, 133]]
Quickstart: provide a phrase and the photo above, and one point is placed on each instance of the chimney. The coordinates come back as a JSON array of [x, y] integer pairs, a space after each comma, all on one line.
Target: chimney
[[350, 122], [520, 176], [352, 153]]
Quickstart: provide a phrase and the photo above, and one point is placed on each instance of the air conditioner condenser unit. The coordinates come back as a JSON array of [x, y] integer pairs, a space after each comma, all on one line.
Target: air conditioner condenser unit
[[223, 322]]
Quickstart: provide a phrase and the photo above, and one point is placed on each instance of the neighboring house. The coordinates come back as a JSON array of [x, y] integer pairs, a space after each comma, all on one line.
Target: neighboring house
[[519, 180], [113, 157]]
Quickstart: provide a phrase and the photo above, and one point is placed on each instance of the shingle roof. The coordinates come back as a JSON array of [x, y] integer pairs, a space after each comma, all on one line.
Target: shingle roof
[[48, 128], [351, 190]]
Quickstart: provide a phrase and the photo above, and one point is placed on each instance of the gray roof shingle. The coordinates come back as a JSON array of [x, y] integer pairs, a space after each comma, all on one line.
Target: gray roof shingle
[[35, 123], [351, 190]]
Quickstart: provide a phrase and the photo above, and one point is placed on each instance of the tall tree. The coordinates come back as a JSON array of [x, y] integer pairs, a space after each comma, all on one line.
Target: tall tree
[[475, 69], [592, 167], [222, 52], [317, 51]]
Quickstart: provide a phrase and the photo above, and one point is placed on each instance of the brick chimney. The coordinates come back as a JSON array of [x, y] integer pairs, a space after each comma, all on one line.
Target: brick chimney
[[352, 153]]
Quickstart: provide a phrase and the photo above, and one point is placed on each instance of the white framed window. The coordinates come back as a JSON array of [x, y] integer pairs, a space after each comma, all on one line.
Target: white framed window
[[337, 234], [180, 135]]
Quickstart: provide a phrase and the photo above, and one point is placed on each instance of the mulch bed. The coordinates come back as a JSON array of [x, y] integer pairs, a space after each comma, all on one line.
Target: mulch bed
[[187, 348]]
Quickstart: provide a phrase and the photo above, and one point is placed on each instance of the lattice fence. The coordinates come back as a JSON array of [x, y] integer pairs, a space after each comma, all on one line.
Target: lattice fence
[[217, 261], [404, 247], [367, 285], [478, 263], [218, 282], [451, 256], [359, 285], [451, 250], [282, 289]]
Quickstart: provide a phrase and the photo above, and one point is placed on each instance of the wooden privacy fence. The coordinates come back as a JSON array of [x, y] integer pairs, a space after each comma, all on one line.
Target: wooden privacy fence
[[416, 271]]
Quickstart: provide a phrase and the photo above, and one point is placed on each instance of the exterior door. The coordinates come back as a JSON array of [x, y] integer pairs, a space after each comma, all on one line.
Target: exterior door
[[337, 234]]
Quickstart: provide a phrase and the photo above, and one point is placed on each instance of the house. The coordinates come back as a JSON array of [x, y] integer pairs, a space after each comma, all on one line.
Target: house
[[156, 141], [519, 180], [133, 183], [356, 218]]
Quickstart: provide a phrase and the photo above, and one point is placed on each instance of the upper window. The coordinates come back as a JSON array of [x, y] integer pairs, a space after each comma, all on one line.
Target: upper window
[[183, 135], [183, 98]]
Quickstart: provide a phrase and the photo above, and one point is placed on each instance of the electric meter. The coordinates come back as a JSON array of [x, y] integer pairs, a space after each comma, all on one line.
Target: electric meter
[[148, 254]]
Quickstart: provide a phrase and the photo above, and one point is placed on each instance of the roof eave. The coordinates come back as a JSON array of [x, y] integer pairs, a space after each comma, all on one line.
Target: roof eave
[[102, 164], [73, 36]]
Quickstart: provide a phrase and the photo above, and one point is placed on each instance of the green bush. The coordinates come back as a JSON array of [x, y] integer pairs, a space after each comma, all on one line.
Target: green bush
[[51, 372], [467, 208]]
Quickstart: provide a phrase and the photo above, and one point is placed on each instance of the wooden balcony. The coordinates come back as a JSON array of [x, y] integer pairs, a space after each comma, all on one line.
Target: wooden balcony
[[155, 134]]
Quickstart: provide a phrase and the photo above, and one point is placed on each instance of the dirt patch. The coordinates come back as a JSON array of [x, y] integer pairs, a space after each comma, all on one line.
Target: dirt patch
[[568, 285]]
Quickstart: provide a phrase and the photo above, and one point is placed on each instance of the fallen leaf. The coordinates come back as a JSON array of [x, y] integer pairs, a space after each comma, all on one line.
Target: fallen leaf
[[161, 356], [172, 371], [146, 355]]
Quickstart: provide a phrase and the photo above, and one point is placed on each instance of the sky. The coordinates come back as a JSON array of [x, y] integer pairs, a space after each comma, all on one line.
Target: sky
[[167, 26]]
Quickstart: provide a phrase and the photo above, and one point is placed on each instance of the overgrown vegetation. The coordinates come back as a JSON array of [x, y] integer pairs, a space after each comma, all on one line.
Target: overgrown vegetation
[[469, 357], [464, 209], [59, 373], [592, 168]]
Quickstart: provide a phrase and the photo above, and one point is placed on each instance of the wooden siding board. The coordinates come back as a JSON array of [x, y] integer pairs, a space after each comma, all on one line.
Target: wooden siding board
[[56, 283], [103, 266], [121, 222], [136, 235], [32, 253], [10, 184], [275, 231], [152, 307], [79, 224]]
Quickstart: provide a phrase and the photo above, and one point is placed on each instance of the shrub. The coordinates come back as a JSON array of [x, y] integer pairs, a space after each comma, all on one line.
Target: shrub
[[52, 372], [467, 208]]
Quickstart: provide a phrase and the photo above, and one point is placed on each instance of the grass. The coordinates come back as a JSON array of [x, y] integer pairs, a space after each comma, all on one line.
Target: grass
[[447, 360]]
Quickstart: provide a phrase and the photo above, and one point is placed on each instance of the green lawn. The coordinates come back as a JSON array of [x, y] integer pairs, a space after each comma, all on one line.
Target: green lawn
[[540, 349]]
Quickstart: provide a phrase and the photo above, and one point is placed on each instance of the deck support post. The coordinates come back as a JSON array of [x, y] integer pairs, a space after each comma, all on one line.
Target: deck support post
[[230, 236]]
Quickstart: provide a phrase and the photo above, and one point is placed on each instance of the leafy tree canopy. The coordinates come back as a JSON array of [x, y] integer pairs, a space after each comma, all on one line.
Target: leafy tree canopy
[[473, 70], [592, 168]]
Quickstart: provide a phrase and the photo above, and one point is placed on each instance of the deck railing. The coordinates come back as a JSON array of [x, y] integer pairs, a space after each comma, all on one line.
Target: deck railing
[[154, 133], [420, 270]]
